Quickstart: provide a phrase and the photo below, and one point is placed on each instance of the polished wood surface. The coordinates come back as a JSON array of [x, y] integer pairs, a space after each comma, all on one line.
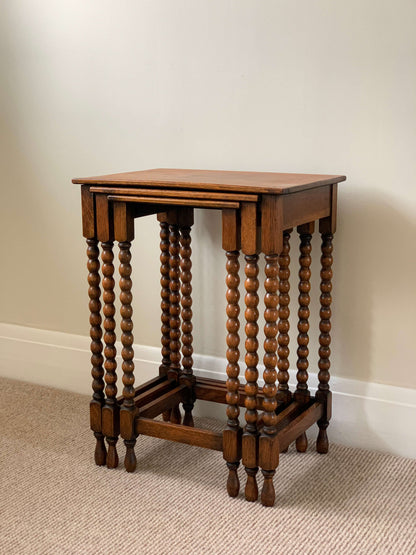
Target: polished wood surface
[[186, 375], [232, 433], [325, 339], [302, 393], [283, 393], [175, 194], [110, 412], [267, 445], [128, 409], [259, 211], [257, 182], [97, 371], [250, 435]]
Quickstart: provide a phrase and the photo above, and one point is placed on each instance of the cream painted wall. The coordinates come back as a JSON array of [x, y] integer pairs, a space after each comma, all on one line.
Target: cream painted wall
[[328, 87]]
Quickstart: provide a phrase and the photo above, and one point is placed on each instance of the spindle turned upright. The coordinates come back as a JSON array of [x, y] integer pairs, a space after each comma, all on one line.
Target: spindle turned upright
[[259, 213]]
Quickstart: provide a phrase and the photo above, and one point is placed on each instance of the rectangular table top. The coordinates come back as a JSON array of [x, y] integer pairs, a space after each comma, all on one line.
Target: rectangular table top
[[212, 180]]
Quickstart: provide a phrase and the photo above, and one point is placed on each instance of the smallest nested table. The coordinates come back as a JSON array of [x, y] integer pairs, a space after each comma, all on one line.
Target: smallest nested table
[[259, 212]]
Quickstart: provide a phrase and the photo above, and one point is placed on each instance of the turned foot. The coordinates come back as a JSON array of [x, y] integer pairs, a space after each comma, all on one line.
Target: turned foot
[[251, 491], [130, 460], [175, 415], [322, 444], [233, 483], [112, 456], [302, 443], [188, 418], [267, 493], [100, 455]]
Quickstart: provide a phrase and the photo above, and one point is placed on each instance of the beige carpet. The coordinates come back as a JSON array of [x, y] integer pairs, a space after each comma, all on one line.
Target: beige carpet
[[55, 500]]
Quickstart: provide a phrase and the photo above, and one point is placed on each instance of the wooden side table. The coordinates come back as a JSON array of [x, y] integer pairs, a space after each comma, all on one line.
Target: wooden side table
[[259, 212]]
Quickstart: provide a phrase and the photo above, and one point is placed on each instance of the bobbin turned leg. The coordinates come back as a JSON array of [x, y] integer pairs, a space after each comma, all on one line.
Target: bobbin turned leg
[[128, 409], [186, 375], [110, 413], [232, 433], [284, 395], [97, 371], [302, 394], [250, 435], [164, 305], [323, 394], [174, 312], [268, 445]]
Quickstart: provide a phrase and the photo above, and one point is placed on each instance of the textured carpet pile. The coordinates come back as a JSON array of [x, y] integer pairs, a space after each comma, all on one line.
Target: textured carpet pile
[[55, 500]]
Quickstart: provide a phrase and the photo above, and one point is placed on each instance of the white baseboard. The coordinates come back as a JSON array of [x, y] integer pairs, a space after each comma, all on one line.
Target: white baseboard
[[367, 415]]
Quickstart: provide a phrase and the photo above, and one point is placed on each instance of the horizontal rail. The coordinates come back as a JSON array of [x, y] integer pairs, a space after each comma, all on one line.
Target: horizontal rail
[[164, 402], [292, 430], [144, 387], [179, 433], [164, 201], [199, 195]]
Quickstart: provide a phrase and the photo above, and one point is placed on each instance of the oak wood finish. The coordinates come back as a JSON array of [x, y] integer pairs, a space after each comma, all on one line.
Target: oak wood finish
[[165, 303], [296, 428], [165, 294], [128, 409], [179, 433], [284, 395], [97, 371], [167, 194], [110, 412], [232, 433], [186, 375], [302, 393], [88, 213], [164, 402], [258, 212], [250, 435], [323, 393], [268, 449], [214, 180], [198, 203], [174, 312]]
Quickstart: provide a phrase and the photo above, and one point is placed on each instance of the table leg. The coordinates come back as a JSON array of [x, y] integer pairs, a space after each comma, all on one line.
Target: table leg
[[97, 371], [232, 433], [165, 304], [302, 393], [324, 364], [174, 312], [110, 413], [128, 409], [186, 375], [268, 445], [250, 435], [283, 393]]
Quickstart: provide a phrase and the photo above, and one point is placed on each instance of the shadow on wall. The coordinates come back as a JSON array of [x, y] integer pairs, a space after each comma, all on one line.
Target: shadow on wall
[[373, 300]]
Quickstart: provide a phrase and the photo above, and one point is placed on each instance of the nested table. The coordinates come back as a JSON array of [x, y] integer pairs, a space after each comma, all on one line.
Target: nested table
[[259, 211]]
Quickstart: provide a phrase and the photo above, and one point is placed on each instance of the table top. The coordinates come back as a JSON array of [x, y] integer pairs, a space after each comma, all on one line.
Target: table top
[[212, 180]]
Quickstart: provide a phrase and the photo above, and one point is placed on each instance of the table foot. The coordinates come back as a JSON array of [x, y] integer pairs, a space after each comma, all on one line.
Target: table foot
[[175, 415], [301, 443], [268, 494], [188, 418], [322, 444], [112, 455], [100, 454], [130, 461], [251, 491], [233, 483]]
